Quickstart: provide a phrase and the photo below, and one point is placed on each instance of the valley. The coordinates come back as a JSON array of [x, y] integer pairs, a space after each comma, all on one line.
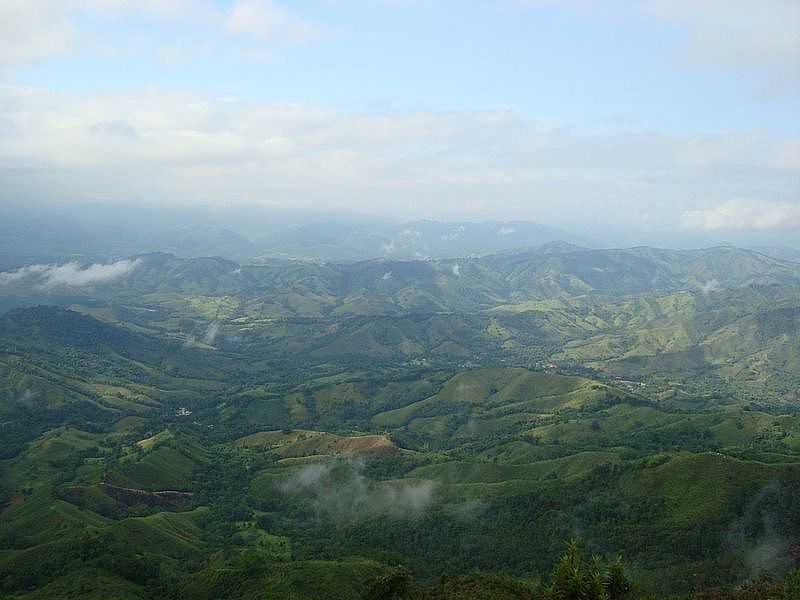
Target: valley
[[207, 429]]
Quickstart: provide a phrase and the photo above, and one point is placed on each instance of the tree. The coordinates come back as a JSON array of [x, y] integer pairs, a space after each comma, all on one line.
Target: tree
[[573, 579], [617, 584], [568, 578]]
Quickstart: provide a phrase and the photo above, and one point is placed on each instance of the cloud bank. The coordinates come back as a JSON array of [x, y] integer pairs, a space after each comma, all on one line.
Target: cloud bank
[[176, 147], [70, 274], [745, 215], [162, 145]]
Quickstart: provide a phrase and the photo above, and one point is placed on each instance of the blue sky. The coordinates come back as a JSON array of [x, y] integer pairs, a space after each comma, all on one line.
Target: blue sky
[[681, 113]]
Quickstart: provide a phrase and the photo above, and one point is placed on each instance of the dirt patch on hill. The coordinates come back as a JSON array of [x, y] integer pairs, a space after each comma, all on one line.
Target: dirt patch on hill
[[299, 443], [379, 445]]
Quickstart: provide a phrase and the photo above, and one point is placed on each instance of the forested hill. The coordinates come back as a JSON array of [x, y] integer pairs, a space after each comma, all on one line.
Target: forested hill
[[550, 271]]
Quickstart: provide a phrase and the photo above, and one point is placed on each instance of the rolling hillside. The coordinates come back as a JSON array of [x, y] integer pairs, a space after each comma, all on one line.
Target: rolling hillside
[[200, 428]]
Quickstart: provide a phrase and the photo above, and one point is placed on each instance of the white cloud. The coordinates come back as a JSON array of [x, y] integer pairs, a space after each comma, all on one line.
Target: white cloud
[[709, 287], [267, 21], [737, 33], [70, 274], [758, 36], [211, 333], [745, 215], [187, 9], [23, 273], [31, 30], [787, 156], [351, 495], [307, 477]]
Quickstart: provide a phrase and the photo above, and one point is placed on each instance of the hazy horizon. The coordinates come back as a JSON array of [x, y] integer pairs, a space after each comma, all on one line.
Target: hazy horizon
[[98, 229]]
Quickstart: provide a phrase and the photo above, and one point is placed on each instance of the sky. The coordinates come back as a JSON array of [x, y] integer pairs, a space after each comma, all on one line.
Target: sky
[[642, 115]]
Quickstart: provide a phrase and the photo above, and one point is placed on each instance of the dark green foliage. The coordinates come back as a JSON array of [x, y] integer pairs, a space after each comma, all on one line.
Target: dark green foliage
[[793, 585], [398, 584], [574, 578]]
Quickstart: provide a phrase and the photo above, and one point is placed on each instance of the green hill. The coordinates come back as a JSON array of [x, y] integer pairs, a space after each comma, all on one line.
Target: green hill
[[203, 429]]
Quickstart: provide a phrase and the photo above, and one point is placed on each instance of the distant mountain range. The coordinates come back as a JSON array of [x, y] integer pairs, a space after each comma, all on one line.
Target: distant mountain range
[[782, 252], [381, 286], [414, 240], [41, 233], [27, 237]]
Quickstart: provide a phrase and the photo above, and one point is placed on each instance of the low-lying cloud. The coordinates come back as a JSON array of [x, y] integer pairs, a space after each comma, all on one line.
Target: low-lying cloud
[[211, 334], [709, 287], [26, 397], [757, 536], [309, 476], [70, 274], [342, 490]]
